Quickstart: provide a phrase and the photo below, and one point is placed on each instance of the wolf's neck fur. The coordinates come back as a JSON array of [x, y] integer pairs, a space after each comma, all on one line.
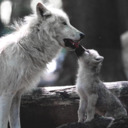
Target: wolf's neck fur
[[39, 50], [27, 52]]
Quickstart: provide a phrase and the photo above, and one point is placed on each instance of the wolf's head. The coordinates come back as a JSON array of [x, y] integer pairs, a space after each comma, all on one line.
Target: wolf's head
[[89, 58], [56, 23]]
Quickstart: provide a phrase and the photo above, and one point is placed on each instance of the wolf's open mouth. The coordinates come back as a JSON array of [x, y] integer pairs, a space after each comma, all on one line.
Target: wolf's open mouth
[[72, 44], [80, 50]]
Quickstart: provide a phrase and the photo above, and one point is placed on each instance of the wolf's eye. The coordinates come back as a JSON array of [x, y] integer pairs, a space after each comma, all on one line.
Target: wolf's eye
[[64, 23]]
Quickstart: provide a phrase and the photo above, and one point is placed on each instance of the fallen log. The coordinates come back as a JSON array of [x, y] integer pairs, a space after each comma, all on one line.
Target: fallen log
[[51, 107]]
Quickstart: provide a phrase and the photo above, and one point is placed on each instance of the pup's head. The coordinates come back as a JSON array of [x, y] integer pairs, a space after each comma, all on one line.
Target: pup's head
[[89, 58], [56, 23]]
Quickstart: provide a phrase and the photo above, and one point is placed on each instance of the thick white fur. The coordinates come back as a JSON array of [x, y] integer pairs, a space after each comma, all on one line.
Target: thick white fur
[[24, 55], [94, 96]]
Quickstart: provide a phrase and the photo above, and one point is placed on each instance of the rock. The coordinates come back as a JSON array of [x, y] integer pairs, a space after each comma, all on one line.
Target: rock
[[120, 123], [97, 122]]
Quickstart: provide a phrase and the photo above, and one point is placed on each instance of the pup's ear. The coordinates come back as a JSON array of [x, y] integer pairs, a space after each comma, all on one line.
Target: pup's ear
[[42, 11]]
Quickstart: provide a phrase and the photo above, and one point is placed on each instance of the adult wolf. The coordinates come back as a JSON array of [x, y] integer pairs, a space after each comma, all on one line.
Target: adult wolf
[[25, 53]]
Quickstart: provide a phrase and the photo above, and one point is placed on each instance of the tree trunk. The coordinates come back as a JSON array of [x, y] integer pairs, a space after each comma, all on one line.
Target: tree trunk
[[20, 9], [1, 28], [1, 24], [123, 15]]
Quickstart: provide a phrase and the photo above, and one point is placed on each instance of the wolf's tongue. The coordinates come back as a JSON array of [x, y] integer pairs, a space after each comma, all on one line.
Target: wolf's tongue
[[76, 44]]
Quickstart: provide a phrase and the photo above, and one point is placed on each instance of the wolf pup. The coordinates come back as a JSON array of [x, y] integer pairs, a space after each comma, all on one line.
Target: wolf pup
[[25, 53], [94, 96]]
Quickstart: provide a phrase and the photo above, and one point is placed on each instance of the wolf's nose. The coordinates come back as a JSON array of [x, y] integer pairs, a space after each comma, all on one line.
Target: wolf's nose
[[82, 35]]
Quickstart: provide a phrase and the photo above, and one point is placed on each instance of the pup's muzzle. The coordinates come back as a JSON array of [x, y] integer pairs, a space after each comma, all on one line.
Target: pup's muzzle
[[80, 51]]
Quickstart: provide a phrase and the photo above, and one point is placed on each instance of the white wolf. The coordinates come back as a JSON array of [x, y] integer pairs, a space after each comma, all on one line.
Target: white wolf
[[25, 53], [94, 96]]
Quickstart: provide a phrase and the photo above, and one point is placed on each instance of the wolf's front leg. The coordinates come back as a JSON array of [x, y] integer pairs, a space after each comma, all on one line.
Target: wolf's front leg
[[82, 110], [92, 99], [14, 117], [5, 104]]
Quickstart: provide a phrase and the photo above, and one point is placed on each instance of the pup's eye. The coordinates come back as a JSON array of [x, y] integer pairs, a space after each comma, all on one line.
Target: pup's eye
[[87, 52], [48, 15], [97, 59], [64, 23]]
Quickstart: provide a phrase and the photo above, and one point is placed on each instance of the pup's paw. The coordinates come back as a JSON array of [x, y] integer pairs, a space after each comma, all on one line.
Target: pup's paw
[[81, 120], [88, 120], [110, 118]]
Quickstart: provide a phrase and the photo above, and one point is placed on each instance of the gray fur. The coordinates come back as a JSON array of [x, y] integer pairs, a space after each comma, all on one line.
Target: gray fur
[[24, 55], [94, 96]]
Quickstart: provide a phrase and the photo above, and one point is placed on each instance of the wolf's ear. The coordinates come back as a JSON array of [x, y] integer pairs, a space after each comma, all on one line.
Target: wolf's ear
[[42, 11]]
